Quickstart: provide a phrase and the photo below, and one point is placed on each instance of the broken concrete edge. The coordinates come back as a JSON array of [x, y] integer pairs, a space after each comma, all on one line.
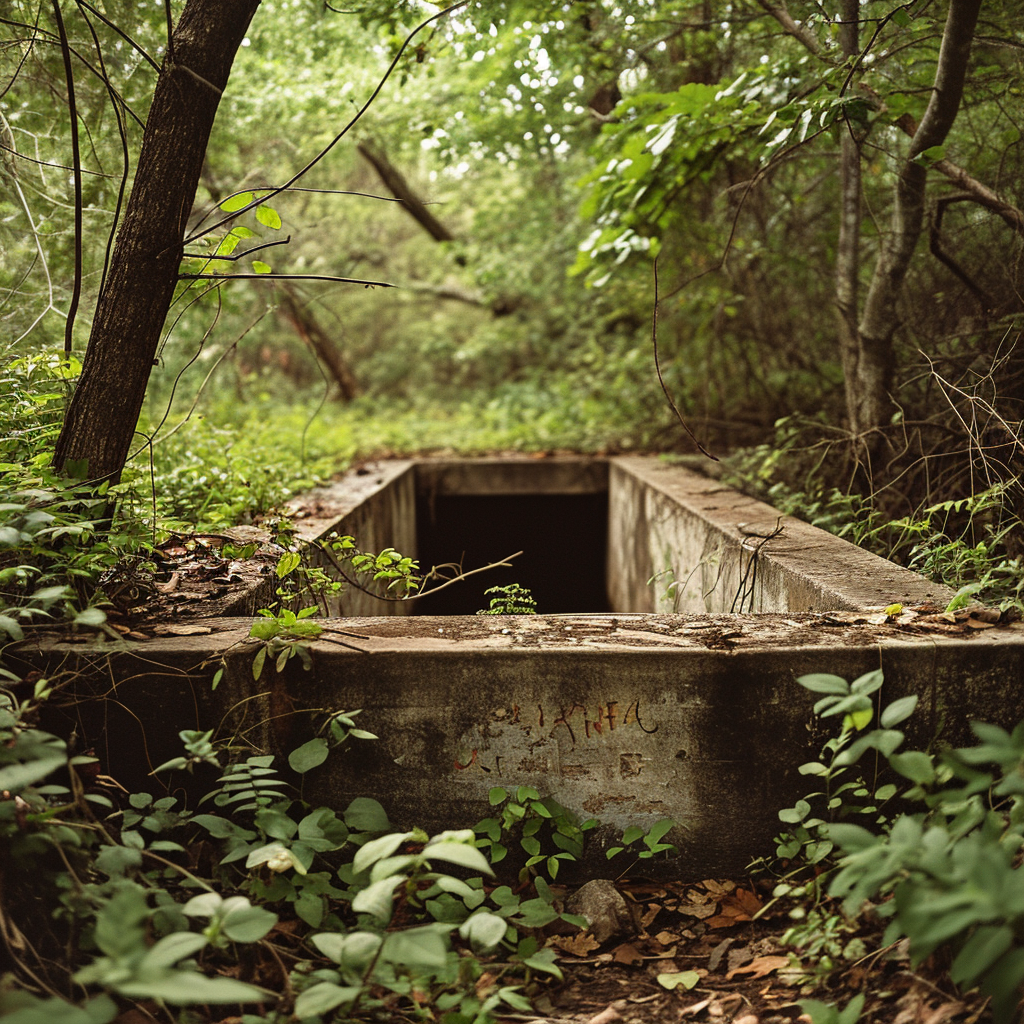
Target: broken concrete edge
[[625, 718]]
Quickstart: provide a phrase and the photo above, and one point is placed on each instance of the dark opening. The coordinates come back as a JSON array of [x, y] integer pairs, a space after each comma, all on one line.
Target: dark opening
[[562, 537]]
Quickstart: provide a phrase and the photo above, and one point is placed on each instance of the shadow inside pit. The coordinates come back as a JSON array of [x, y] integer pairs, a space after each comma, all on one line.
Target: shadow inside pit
[[563, 538]]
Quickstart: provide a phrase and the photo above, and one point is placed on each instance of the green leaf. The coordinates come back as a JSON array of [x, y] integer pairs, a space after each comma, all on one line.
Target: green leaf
[[353, 951], [184, 988], [310, 755], [378, 849], [235, 203], [242, 922], [257, 663], [496, 795], [422, 948], [377, 899], [172, 948], [463, 854], [914, 765], [483, 930], [90, 617], [365, 814], [259, 267], [898, 711], [979, 953], [678, 979], [268, 216], [822, 682], [324, 997]]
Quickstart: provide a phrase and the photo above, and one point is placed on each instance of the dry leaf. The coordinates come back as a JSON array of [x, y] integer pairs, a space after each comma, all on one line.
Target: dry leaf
[[666, 938], [978, 624], [606, 1016], [485, 984], [182, 628], [580, 944], [760, 967], [718, 888], [747, 1018], [944, 1013], [650, 914], [696, 1008], [627, 953], [698, 910]]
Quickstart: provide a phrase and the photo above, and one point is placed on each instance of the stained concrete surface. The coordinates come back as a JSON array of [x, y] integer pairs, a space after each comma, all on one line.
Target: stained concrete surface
[[627, 718]]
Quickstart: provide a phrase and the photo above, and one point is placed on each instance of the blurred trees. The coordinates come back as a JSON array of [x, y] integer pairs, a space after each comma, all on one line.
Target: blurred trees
[[771, 157]]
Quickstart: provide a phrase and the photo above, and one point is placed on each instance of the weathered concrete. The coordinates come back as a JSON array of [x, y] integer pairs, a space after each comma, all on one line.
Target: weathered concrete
[[712, 549], [628, 718]]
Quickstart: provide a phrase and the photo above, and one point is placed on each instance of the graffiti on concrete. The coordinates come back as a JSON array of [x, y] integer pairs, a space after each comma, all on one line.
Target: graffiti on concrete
[[534, 737]]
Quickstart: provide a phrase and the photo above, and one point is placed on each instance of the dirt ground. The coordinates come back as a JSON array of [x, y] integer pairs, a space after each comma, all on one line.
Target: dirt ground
[[712, 952]]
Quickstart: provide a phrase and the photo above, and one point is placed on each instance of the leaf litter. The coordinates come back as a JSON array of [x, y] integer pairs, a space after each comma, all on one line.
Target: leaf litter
[[712, 952]]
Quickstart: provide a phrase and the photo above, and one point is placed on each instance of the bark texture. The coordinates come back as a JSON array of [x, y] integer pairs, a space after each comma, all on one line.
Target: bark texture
[[848, 245], [872, 405], [130, 314]]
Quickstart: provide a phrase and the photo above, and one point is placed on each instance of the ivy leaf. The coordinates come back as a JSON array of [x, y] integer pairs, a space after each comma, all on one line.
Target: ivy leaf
[[268, 216], [236, 203]]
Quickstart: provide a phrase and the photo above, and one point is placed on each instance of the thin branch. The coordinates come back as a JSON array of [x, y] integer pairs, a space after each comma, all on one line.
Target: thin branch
[[661, 379], [283, 277], [76, 160], [124, 35], [348, 127]]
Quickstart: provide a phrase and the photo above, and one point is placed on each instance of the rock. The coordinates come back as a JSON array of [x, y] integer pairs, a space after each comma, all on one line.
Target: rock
[[605, 908]]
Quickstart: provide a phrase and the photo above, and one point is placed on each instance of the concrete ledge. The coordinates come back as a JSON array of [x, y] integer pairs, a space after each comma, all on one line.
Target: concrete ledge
[[628, 718], [725, 552]]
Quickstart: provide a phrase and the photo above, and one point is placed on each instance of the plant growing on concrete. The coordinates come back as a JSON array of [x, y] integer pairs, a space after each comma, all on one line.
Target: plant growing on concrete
[[547, 832], [511, 599]]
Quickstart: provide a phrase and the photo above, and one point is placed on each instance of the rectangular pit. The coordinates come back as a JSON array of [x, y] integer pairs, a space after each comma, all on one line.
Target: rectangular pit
[[672, 703], [595, 533]]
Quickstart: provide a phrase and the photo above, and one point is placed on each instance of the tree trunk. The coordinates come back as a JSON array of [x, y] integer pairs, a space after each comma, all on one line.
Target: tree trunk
[[130, 313], [400, 189], [307, 328], [872, 406], [848, 246]]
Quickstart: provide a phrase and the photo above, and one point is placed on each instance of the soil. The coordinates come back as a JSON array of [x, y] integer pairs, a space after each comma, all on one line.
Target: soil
[[713, 952]]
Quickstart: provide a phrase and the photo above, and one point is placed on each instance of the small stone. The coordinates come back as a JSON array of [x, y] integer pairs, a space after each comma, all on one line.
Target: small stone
[[605, 909]]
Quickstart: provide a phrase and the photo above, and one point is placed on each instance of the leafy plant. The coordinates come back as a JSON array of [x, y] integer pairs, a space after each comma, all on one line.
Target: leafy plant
[[650, 841], [538, 825], [511, 599]]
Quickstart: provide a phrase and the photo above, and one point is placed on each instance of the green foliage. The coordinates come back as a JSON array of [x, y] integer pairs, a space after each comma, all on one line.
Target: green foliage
[[511, 599], [541, 827], [946, 875], [650, 841]]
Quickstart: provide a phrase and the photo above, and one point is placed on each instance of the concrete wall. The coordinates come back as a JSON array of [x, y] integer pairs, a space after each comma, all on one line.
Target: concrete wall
[[625, 718], [628, 717], [713, 549], [376, 506]]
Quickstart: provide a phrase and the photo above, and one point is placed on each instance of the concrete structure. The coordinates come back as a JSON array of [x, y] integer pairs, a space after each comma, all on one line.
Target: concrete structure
[[625, 715]]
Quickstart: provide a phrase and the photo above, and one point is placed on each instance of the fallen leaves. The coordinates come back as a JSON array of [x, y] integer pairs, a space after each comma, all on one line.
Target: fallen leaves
[[760, 967], [678, 979]]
